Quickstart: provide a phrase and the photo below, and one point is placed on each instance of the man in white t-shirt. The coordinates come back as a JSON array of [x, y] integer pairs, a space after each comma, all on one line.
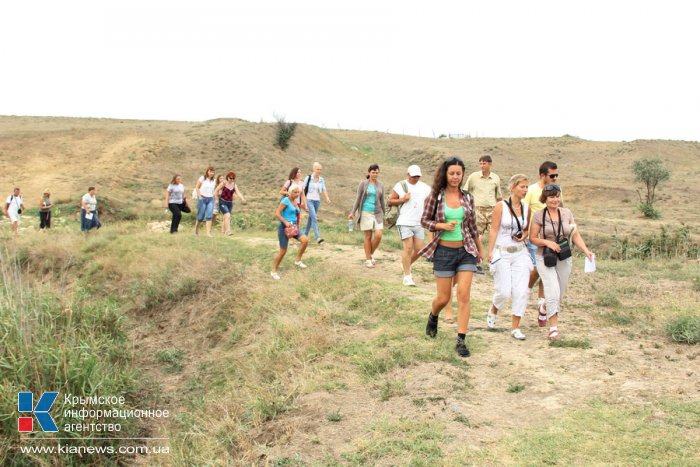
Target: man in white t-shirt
[[13, 208], [410, 196]]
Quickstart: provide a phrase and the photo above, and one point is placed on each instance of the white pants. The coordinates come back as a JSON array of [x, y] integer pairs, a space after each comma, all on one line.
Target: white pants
[[554, 281], [511, 274]]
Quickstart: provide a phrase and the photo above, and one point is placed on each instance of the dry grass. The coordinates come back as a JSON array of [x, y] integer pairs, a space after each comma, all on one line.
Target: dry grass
[[330, 366], [132, 162]]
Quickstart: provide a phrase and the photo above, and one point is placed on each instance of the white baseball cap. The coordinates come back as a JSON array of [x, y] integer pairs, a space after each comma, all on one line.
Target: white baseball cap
[[414, 171]]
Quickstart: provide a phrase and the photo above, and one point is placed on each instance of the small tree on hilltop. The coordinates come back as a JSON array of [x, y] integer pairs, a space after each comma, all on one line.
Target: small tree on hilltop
[[285, 131], [650, 172]]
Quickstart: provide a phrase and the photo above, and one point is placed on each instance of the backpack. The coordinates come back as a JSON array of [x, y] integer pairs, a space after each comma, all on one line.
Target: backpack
[[306, 185], [393, 212]]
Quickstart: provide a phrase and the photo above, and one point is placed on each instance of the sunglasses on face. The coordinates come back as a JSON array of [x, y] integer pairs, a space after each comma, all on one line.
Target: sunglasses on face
[[554, 176]]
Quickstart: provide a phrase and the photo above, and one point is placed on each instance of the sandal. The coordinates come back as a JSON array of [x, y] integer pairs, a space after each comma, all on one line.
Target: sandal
[[554, 335], [542, 316]]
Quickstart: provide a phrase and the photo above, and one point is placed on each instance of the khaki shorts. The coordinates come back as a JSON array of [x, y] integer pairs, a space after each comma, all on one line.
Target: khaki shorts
[[483, 218], [369, 222]]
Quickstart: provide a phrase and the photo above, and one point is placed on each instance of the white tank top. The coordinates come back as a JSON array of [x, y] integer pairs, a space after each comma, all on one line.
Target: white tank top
[[206, 187], [509, 226]]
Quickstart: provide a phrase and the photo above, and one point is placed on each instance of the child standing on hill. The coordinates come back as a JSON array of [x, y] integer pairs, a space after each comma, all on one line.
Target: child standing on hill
[[45, 206]]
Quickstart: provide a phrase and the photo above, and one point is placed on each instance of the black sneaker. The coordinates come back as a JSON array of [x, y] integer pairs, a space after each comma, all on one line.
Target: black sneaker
[[479, 270], [461, 348], [320, 240], [431, 327]]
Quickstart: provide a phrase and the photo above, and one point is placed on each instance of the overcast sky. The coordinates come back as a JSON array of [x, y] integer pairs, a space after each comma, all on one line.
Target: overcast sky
[[600, 70]]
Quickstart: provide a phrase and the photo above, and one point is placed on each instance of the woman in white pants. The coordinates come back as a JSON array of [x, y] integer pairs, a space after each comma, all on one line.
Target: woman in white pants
[[551, 227], [509, 259]]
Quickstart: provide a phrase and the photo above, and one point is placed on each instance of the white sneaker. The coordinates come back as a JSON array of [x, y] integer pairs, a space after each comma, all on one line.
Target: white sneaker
[[408, 280], [369, 263], [490, 320], [517, 334], [374, 261], [299, 264], [275, 276]]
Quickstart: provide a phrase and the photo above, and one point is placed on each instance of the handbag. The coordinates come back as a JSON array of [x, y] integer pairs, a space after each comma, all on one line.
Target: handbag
[[550, 257], [565, 251], [291, 231]]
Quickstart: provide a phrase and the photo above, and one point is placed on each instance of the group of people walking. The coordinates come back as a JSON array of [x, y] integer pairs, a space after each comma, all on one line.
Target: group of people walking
[[524, 240], [14, 207], [529, 236], [213, 194]]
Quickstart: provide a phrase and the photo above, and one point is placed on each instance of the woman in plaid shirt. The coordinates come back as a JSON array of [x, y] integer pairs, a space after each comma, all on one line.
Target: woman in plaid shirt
[[455, 250]]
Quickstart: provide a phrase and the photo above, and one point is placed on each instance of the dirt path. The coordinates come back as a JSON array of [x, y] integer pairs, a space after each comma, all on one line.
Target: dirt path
[[625, 363], [634, 363]]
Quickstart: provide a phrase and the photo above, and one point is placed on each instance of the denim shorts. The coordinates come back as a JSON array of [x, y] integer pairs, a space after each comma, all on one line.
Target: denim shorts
[[408, 231], [225, 207], [532, 249], [449, 261], [282, 237]]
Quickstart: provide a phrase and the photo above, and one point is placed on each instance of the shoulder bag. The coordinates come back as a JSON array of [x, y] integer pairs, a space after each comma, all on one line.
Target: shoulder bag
[[291, 231], [393, 213]]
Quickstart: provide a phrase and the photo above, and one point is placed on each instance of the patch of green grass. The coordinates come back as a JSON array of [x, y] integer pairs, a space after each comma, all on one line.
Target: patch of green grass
[[630, 435], [391, 389], [620, 318], [172, 359], [685, 328], [73, 343], [695, 283], [515, 388], [608, 299], [412, 441], [334, 416], [463, 420], [571, 343]]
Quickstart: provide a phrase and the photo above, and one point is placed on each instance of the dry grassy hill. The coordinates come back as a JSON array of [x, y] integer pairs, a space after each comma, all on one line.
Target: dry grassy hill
[[330, 365], [132, 161]]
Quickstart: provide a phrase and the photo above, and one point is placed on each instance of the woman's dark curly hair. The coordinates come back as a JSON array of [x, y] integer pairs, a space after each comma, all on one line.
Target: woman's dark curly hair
[[440, 182]]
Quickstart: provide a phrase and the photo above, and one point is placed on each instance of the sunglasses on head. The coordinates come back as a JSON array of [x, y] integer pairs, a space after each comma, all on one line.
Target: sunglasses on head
[[454, 159], [554, 176], [552, 187]]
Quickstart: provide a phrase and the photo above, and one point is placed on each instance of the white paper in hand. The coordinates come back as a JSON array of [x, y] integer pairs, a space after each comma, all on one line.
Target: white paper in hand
[[88, 215], [589, 265]]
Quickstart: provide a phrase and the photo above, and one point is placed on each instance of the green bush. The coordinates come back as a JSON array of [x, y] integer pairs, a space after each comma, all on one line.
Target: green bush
[[667, 244], [685, 328], [285, 131], [649, 210]]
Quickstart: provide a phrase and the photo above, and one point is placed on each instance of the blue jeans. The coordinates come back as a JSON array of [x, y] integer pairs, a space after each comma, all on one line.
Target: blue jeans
[[205, 208], [312, 221]]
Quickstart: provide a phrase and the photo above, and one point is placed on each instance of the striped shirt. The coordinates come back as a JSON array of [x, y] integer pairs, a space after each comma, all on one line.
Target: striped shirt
[[469, 233]]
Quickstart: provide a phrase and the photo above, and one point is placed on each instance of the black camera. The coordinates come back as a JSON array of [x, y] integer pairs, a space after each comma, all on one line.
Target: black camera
[[517, 235]]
